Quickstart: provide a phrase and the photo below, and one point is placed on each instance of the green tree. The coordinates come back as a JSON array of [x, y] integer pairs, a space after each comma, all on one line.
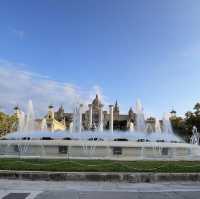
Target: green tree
[[179, 127], [197, 109], [188, 114], [7, 123], [192, 119], [183, 126]]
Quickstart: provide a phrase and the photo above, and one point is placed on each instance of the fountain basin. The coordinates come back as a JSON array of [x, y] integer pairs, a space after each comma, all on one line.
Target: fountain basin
[[112, 150], [98, 145]]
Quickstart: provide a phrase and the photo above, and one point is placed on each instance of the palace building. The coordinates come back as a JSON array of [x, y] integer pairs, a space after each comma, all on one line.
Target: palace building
[[60, 120], [96, 117]]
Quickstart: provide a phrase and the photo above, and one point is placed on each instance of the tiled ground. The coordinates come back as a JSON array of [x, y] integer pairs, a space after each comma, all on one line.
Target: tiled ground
[[15, 189], [103, 195]]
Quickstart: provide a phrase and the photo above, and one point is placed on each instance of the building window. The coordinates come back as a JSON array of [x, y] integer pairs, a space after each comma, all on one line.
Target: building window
[[117, 151], [63, 149], [164, 151]]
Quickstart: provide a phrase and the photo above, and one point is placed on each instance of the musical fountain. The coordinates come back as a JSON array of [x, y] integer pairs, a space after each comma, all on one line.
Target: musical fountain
[[141, 141]]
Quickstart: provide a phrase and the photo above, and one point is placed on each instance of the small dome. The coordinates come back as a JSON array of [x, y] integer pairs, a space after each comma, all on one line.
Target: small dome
[[16, 107], [50, 106], [173, 111], [96, 101]]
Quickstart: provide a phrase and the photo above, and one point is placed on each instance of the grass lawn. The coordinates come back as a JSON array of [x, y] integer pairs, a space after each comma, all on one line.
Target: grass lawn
[[99, 165]]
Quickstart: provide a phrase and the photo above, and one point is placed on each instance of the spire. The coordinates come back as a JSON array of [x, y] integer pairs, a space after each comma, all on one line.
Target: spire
[[130, 110], [61, 109], [116, 107], [173, 111], [131, 113]]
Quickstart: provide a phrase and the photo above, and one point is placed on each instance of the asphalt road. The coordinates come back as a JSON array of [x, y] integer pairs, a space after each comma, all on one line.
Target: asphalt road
[[16, 189]]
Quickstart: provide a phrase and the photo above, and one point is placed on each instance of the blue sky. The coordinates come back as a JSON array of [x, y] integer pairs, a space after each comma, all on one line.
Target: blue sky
[[127, 49]]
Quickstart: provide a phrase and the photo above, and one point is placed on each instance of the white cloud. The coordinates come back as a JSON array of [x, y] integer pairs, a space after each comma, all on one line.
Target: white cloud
[[18, 86]]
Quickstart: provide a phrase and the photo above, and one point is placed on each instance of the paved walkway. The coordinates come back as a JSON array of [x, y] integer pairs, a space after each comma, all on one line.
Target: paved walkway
[[15, 189]]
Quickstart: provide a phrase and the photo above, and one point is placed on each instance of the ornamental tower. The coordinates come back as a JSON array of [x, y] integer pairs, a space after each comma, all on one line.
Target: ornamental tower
[[116, 111]]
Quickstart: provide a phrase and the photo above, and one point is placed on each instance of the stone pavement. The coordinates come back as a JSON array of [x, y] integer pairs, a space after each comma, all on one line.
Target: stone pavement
[[18, 189]]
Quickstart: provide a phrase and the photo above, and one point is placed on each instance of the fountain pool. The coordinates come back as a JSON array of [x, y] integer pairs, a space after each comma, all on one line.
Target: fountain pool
[[98, 145], [141, 142]]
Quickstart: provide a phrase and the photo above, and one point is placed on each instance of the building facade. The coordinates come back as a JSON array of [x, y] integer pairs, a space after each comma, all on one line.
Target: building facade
[[92, 117], [96, 117]]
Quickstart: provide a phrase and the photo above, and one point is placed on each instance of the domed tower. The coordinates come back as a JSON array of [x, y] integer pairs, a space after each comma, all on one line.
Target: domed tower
[[50, 114], [18, 115], [17, 112], [116, 111], [96, 103], [96, 106], [173, 114], [50, 118]]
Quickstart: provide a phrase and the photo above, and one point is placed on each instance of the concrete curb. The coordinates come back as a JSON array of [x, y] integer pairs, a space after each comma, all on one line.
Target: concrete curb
[[99, 176]]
